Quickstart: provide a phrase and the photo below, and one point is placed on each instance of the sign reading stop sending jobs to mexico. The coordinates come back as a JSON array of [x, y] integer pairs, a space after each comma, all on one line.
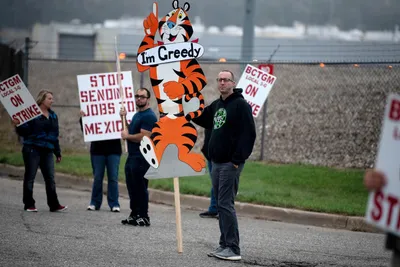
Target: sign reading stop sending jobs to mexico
[[383, 209], [100, 101], [18, 101], [256, 85]]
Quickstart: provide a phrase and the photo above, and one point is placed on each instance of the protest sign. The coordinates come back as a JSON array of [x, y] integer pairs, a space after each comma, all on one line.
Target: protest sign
[[384, 205], [18, 101], [100, 100], [256, 85]]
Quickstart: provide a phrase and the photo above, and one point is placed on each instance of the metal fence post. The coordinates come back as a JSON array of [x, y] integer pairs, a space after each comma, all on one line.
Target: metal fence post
[[248, 32], [264, 117]]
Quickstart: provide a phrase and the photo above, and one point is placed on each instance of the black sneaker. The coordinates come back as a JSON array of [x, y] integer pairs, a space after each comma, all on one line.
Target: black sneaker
[[130, 220], [142, 221], [208, 214]]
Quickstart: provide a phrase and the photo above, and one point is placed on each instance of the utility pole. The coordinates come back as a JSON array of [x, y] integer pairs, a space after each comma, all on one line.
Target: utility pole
[[26, 61], [248, 31], [331, 11]]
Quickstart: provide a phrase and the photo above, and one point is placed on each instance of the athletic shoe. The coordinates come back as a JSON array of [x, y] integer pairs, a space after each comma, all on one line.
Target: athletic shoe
[[142, 221], [59, 208], [212, 253], [130, 220], [91, 207], [115, 209], [208, 214], [228, 254], [31, 209]]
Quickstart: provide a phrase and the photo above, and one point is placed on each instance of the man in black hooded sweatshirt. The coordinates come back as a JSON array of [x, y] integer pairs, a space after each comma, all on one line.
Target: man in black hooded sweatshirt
[[231, 143]]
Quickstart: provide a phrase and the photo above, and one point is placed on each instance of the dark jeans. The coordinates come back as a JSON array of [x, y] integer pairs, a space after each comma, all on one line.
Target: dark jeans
[[225, 180], [34, 158], [135, 169], [213, 203], [395, 260], [99, 164], [393, 244]]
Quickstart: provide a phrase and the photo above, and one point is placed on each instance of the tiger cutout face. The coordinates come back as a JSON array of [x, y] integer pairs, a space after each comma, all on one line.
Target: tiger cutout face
[[176, 27]]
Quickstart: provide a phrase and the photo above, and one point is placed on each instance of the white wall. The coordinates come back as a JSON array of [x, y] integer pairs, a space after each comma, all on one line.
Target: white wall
[[105, 43], [47, 41], [47, 37]]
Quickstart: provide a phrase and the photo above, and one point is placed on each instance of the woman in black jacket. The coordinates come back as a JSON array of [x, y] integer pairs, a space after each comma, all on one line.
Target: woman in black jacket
[[40, 143]]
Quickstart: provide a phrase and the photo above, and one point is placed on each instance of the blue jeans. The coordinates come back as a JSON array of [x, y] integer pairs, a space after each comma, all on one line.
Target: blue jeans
[[99, 163], [135, 169], [225, 179], [213, 203], [43, 158]]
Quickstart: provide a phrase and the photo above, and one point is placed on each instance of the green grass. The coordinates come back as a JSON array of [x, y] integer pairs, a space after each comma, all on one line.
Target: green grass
[[299, 186]]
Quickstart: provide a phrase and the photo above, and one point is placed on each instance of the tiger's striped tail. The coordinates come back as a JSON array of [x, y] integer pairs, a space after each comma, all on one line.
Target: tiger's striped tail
[[194, 114]]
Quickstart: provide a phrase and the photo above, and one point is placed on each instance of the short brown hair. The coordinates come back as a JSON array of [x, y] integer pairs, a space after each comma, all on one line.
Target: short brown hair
[[145, 89], [233, 76], [42, 96]]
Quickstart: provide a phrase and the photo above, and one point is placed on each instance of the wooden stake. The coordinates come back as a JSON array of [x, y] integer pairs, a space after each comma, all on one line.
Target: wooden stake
[[121, 92], [178, 214]]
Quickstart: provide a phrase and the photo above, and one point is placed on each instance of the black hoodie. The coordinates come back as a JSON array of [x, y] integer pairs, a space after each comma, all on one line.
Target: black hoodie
[[204, 149], [233, 130]]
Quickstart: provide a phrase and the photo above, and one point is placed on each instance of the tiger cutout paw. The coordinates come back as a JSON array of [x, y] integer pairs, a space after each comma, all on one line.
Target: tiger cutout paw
[[173, 89], [195, 160], [147, 149]]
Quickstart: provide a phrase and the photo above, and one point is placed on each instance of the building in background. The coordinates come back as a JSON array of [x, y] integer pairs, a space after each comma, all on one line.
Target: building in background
[[300, 43]]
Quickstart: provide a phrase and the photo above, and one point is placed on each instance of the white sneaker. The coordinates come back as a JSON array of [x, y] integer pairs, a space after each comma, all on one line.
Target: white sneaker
[[115, 209], [91, 207]]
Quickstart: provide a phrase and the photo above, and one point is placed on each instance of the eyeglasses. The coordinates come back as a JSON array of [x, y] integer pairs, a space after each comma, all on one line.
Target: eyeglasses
[[140, 97], [224, 80]]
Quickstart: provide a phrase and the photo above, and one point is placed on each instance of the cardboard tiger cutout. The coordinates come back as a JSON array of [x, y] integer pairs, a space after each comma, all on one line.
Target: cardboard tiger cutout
[[177, 79]]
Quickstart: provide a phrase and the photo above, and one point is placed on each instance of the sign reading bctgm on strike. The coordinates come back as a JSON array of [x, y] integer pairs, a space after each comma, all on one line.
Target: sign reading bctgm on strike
[[100, 101], [383, 208], [17, 100], [256, 85]]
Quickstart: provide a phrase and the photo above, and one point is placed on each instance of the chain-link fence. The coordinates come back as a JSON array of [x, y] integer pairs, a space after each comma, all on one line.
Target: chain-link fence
[[320, 114]]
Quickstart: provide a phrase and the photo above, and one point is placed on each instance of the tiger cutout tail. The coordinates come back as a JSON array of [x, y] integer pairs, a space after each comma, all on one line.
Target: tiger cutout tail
[[194, 114]]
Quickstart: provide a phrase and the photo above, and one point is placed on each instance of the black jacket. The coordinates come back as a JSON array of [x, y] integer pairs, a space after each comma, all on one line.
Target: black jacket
[[105, 147], [204, 149], [42, 132], [233, 131]]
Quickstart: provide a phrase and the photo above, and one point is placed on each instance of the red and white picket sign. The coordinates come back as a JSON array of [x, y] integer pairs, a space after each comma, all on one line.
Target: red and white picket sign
[[256, 85], [100, 100], [17, 100], [383, 208]]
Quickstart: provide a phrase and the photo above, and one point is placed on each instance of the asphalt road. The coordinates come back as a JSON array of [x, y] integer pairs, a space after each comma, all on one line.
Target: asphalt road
[[86, 238]]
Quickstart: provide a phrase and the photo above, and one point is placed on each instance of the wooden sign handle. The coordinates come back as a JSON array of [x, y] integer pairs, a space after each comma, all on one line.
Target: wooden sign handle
[[178, 215]]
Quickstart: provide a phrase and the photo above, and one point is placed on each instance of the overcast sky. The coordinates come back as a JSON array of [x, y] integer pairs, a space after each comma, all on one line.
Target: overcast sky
[[346, 14]]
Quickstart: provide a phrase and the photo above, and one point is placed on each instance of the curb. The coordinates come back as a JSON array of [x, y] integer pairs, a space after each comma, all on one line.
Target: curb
[[351, 223]]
